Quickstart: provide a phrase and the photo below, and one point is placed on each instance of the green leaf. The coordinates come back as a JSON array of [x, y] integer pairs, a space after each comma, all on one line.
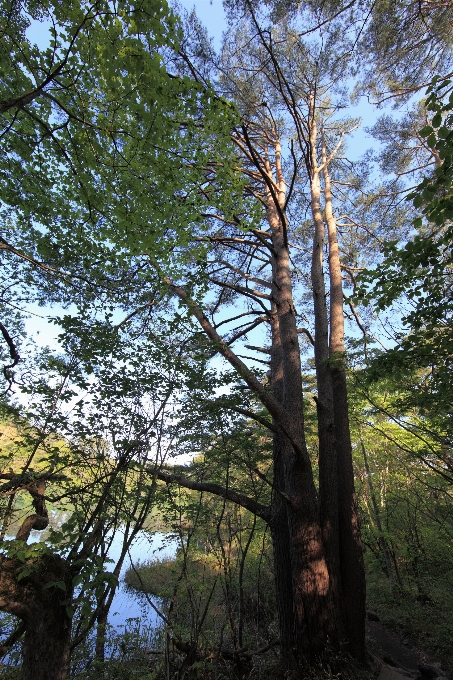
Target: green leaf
[[77, 580], [437, 120], [23, 574], [86, 609], [426, 131]]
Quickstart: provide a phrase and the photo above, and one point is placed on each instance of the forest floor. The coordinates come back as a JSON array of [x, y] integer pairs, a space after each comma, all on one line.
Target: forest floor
[[403, 654], [412, 627]]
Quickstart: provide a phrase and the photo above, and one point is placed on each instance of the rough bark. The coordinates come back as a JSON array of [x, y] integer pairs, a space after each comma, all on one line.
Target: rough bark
[[352, 571], [328, 473], [101, 622], [312, 588], [278, 524], [46, 645]]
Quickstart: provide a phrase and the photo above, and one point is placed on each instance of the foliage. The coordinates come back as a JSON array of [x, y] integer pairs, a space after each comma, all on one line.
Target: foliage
[[405, 498], [102, 147], [217, 594], [98, 467], [94, 118], [129, 654], [118, 173], [391, 38], [420, 272]]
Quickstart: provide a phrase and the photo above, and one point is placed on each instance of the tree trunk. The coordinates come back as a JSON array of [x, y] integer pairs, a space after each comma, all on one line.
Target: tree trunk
[[352, 571], [281, 545], [278, 523], [46, 646], [315, 615], [101, 622], [328, 470]]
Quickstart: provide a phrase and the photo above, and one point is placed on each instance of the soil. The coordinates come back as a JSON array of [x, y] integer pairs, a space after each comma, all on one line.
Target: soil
[[383, 642]]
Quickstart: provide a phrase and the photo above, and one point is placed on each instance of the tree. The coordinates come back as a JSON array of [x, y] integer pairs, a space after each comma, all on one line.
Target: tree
[[93, 458], [218, 593], [420, 272], [390, 38], [289, 90], [164, 209], [87, 123]]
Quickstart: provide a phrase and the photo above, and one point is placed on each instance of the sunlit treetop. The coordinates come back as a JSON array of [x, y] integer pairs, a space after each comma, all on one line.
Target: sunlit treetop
[[99, 137]]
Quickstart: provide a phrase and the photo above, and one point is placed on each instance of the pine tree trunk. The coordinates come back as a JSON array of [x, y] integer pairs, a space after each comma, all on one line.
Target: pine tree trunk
[[314, 610], [281, 545], [328, 470], [351, 554], [278, 525], [352, 571]]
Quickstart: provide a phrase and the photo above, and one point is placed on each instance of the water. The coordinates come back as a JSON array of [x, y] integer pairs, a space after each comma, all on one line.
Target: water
[[128, 603], [130, 609]]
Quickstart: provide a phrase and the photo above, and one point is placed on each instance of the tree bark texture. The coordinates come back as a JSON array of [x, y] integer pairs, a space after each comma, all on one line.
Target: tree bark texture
[[352, 572], [46, 646], [328, 472], [312, 588], [306, 529], [278, 524]]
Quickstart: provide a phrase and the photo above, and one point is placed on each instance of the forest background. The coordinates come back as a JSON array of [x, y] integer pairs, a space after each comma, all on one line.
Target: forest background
[[176, 204]]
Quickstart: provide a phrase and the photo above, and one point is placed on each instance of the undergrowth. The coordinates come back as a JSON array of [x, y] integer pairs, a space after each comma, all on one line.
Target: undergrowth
[[426, 622]]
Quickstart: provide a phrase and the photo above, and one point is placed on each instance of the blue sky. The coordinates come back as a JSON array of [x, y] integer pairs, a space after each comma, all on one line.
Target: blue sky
[[212, 16], [211, 13]]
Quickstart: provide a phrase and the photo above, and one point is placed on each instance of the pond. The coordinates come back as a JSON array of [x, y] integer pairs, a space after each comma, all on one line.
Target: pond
[[128, 603]]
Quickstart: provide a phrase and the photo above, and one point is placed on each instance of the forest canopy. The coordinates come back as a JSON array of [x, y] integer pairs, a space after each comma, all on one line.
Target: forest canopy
[[244, 323]]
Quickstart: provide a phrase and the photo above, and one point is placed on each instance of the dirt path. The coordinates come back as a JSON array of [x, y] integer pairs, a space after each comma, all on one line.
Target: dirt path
[[400, 652]]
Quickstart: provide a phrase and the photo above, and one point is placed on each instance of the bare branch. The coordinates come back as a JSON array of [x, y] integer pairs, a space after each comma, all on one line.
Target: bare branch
[[306, 332], [246, 330], [259, 349]]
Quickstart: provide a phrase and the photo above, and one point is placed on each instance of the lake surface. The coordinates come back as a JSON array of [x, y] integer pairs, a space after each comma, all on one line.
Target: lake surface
[[130, 609], [128, 603]]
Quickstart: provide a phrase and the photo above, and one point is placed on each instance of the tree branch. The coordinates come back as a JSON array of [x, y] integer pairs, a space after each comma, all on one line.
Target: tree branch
[[12, 352], [12, 639], [246, 330], [274, 407], [241, 499]]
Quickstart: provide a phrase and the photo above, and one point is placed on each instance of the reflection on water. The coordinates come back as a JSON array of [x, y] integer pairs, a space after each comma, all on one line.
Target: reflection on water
[[128, 603], [130, 610]]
